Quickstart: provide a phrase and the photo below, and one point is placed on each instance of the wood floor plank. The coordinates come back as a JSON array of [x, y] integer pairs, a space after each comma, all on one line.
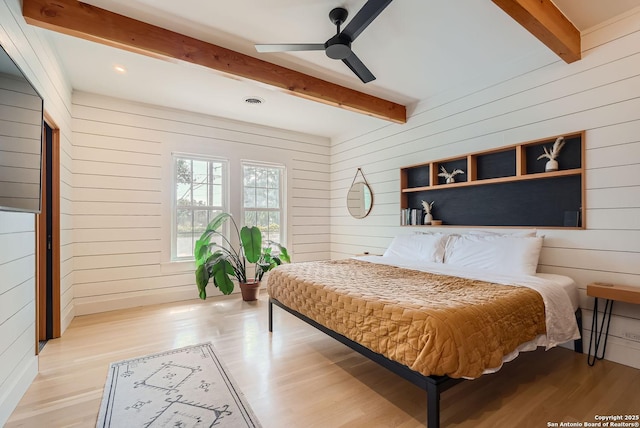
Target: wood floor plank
[[299, 377]]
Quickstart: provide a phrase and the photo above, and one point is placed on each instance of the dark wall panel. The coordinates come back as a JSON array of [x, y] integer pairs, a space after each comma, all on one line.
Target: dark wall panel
[[541, 202]]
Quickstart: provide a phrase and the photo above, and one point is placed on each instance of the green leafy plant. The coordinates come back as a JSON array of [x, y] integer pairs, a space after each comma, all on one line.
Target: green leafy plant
[[223, 262]]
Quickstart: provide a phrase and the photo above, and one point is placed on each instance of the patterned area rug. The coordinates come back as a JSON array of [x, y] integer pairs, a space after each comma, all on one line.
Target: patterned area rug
[[186, 387]]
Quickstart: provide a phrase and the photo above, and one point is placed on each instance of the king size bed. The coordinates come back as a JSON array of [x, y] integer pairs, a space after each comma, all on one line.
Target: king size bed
[[435, 308]]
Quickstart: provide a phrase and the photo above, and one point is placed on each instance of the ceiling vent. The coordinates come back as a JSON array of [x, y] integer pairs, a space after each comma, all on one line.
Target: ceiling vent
[[254, 100]]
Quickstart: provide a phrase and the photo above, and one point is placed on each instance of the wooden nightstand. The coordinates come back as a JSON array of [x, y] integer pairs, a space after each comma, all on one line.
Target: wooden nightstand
[[611, 293]]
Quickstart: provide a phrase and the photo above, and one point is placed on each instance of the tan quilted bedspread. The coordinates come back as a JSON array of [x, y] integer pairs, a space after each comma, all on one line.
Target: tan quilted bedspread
[[434, 324]]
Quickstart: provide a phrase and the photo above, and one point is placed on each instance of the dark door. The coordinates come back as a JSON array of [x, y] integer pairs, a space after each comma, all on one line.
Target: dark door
[[48, 240]]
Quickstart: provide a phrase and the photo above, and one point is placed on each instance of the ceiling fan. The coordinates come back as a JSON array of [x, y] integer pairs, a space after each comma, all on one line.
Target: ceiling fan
[[339, 46]]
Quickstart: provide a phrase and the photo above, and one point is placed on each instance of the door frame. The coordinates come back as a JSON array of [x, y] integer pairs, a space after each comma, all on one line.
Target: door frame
[[41, 238]]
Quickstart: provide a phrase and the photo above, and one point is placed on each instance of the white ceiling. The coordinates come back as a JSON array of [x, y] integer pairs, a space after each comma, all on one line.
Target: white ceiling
[[415, 48]]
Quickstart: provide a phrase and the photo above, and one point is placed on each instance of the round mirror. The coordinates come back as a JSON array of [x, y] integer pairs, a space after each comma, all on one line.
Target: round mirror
[[359, 200]]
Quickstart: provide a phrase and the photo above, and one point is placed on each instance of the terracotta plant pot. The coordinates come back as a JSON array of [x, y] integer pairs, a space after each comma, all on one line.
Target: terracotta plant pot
[[250, 291]]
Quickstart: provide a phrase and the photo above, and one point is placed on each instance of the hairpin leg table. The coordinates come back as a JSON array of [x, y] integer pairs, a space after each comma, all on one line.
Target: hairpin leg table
[[611, 293]]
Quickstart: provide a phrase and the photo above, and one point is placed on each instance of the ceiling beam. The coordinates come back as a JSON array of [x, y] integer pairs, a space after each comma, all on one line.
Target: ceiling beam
[[545, 21], [88, 22]]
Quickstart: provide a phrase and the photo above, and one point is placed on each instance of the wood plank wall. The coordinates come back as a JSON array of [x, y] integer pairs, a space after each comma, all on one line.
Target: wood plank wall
[[123, 190], [599, 94], [18, 363]]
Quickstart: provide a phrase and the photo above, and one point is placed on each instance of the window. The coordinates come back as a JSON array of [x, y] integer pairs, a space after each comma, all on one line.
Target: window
[[263, 199], [200, 194]]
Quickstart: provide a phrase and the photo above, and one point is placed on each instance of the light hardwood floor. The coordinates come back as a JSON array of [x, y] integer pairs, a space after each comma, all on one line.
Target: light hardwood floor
[[299, 377]]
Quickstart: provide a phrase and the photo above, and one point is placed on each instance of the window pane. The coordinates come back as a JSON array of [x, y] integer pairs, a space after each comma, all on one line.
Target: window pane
[[211, 215], [273, 200], [274, 178], [183, 171], [262, 220], [249, 176], [183, 220], [250, 218], [184, 245], [274, 226], [184, 238], [261, 198], [198, 184], [183, 194], [201, 195], [216, 175], [261, 177], [200, 171], [200, 222], [249, 197], [216, 196]]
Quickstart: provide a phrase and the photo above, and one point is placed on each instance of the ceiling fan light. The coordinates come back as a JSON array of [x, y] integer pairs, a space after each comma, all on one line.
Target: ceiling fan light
[[338, 51], [338, 47]]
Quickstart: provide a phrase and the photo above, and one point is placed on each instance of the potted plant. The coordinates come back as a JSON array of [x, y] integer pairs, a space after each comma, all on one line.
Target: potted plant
[[224, 262], [449, 176], [428, 206]]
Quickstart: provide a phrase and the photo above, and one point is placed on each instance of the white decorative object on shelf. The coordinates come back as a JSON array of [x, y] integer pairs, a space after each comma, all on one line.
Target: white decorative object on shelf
[[449, 175], [552, 163], [428, 218]]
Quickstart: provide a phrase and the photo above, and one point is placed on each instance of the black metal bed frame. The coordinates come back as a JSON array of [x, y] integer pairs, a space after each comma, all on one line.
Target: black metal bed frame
[[433, 385]]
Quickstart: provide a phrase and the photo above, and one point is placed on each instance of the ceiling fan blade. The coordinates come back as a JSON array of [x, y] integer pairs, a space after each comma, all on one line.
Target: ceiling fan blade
[[364, 17], [354, 63], [291, 47]]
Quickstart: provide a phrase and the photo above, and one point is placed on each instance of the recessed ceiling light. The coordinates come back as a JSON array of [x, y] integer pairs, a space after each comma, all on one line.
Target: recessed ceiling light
[[254, 100], [119, 69]]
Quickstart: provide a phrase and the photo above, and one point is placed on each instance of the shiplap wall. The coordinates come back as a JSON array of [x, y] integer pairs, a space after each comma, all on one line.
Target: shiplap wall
[[599, 94], [123, 195], [18, 363]]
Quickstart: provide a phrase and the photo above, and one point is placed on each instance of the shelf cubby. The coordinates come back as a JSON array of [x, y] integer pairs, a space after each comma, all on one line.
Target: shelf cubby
[[507, 186]]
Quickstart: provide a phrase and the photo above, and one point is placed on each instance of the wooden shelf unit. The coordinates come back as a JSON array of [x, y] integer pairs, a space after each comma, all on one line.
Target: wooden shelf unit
[[499, 177]]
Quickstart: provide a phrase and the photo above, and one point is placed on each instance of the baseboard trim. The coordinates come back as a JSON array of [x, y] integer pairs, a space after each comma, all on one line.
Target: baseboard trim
[[97, 304], [67, 317], [12, 394]]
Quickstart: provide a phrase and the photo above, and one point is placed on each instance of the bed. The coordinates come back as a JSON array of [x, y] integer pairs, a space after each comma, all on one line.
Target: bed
[[435, 308]]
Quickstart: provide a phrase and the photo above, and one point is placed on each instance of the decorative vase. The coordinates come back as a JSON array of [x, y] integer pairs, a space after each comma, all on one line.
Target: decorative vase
[[551, 165], [250, 290], [428, 218], [450, 180]]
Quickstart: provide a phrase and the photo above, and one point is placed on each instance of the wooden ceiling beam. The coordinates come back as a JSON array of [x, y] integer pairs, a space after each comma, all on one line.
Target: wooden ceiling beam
[[545, 21], [88, 22]]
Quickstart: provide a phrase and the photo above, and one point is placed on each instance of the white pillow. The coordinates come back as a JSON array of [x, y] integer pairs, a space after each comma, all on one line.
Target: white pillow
[[520, 234], [418, 247], [500, 254]]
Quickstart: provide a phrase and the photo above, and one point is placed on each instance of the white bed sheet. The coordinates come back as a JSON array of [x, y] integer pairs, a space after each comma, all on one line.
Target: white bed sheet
[[559, 294], [567, 284]]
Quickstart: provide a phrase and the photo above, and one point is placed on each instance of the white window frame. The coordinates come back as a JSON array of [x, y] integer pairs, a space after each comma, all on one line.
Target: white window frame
[[281, 194], [174, 205]]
